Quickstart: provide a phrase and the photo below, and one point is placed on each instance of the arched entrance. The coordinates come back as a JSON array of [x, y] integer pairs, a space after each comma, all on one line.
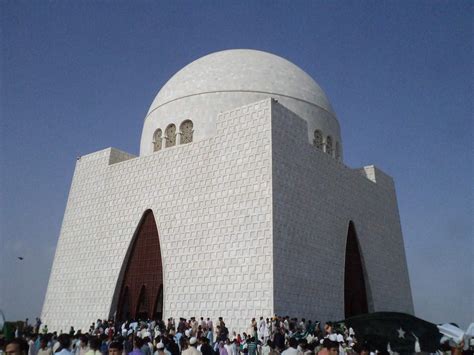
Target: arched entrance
[[143, 279], [355, 294]]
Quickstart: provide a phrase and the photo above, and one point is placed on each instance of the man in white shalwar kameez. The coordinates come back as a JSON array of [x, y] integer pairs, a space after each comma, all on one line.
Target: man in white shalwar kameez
[[263, 332]]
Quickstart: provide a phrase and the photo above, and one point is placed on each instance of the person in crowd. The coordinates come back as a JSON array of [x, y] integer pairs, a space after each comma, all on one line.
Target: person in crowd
[[137, 345], [330, 347], [328, 328], [224, 333], [333, 347], [191, 347], [115, 348], [206, 349], [82, 347], [110, 331], [266, 348], [311, 348], [17, 346], [37, 342], [292, 348], [94, 346], [279, 339], [31, 339], [302, 325], [64, 348], [37, 325], [104, 343], [252, 345], [183, 345], [222, 349], [273, 351], [178, 336], [170, 344], [133, 325], [145, 348], [194, 326], [303, 347], [54, 342], [44, 348], [76, 343], [165, 341], [230, 347], [170, 324], [128, 343], [218, 335], [210, 330], [160, 349]]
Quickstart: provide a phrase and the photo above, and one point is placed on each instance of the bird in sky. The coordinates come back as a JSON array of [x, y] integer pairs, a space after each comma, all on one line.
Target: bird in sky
[[20, 257]]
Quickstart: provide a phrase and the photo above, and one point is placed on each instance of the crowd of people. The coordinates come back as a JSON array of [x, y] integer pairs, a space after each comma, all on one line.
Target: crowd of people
[[279, 335], [275, 336]]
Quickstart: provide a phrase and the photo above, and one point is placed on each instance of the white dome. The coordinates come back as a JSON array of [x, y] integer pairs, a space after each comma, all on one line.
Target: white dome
[[242, 70], [230, 79]]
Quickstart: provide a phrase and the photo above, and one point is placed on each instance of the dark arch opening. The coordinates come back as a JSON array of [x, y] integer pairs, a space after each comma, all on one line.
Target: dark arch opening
[[125, 302], [143, 277], [142, 305], [158, 308], [355, 294]]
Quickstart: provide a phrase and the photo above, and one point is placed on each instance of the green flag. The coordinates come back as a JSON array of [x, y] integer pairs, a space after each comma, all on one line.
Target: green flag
[[402, 331]]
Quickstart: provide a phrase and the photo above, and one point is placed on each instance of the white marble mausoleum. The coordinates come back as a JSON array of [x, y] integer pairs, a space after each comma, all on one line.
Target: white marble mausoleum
[[239, 205]]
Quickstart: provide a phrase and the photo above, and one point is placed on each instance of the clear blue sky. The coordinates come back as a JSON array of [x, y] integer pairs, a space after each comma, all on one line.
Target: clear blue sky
[[79, 76]]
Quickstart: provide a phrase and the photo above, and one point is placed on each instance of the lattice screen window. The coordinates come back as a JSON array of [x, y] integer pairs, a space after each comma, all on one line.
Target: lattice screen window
[[329, 148], [170, 136], [186, 130], [338, 151], [157, 140], [318, 139]]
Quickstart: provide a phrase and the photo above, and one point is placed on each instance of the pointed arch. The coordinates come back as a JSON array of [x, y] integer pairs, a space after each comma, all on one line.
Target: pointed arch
[[355, 291], [142, 273], [157, 140], [318, 139], [170, 136], [186, 130], [329, 148]]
